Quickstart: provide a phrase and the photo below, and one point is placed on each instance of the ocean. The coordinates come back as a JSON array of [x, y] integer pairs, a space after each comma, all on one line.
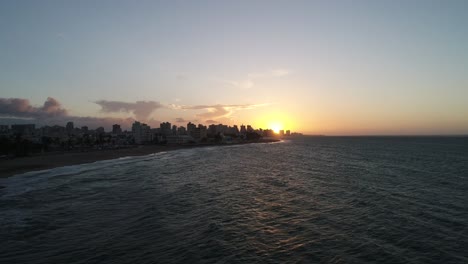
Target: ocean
[[304, 200]]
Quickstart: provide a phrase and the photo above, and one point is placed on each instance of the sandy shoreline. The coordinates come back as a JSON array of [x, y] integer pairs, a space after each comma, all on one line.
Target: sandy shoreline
[[53, 160]]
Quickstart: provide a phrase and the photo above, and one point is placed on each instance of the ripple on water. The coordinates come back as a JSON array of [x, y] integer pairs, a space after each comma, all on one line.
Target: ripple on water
[[333, 200]]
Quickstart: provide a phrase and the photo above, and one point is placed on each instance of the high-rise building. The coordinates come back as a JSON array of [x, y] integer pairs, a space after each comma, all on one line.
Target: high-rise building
[[211, 130], [288, 132], [4, 130], [70, 126], [235, 130], [243, 130], [26, 129], [190, 127], [181, 130], [141, 133], [166, 128], [199, 133], [100, 130], [116, 129]]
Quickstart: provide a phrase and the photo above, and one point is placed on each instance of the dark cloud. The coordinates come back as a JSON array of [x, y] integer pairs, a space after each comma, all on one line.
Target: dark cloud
[[20, 111], [141, 109], [181, 120], [17, 110], [18, 107]]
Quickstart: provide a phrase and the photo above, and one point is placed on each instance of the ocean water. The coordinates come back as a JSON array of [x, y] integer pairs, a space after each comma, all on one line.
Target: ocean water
[[306, 200]]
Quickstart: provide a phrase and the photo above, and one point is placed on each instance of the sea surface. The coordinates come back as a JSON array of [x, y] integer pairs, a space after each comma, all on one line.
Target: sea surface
[[305, 200]]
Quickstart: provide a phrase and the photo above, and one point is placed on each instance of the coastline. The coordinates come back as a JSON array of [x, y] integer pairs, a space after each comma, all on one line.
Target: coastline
[[52, 160]]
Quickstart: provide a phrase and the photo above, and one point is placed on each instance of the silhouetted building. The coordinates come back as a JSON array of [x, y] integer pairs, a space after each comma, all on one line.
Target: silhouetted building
[[199, 133], [268, 133], [100, 130], [243, 130], [166, 128], [288, 132], [141, 133], [70, 127], [181, 131], [116, 129], [190, 127], [235, 130], [4, 129], [26, 129]]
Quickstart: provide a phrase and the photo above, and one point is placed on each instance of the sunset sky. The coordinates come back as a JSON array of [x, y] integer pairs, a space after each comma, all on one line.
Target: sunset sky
[[317, 67]]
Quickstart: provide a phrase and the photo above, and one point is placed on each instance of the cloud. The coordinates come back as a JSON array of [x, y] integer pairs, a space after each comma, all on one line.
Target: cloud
[[141, 109], [18, 107], [210, 121], [280, 72], [20, 111], [219, 110], [249, 81], [246, 84], [181, 120]]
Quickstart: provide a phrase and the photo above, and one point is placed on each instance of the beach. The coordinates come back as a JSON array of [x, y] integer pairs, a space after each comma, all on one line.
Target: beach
[[10, 167]]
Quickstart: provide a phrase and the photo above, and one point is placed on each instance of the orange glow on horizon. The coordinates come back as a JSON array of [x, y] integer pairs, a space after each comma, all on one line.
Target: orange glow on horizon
[[275, 120]]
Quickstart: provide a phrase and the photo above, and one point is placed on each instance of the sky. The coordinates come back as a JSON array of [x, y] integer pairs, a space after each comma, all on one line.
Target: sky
[[316, 67]]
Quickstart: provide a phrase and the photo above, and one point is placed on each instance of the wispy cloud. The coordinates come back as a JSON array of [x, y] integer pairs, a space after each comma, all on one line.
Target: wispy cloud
[[251, 78], [281, 72], [141, 109], [217, 111], [245, 84], [183, 120]]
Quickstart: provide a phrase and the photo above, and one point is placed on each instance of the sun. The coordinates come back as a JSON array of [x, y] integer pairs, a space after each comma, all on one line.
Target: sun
[[276, 128]]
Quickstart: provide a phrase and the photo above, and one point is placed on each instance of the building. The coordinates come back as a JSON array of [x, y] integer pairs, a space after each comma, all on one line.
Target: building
[[288, 133], [100, 130], [190, 127], [199, 133], [4, 130], [243, 130], [179, 139], [235, 130], [268, 133], [141, 133], [26, 129], [166, 128], [181, 131], [211, 130], [116, 129], [281, 132], [70, 127]]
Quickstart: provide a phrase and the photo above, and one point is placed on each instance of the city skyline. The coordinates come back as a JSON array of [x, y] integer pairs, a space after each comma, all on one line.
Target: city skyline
[[332, 68]]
